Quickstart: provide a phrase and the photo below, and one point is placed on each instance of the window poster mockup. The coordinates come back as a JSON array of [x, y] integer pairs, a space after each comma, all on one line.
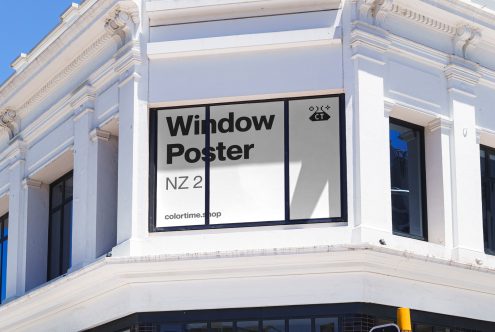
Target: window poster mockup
[[250, 163], [314, 158], [250, 187], [180, 177]]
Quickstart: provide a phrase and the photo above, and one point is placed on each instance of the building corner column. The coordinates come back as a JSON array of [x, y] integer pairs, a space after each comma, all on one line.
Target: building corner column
[[371, 139]]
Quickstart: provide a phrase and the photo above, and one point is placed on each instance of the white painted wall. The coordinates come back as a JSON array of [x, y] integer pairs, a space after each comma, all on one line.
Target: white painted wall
[[389, 62]]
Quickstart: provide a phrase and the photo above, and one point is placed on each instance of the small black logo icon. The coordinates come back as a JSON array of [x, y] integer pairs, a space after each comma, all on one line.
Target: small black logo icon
[[319, 114]]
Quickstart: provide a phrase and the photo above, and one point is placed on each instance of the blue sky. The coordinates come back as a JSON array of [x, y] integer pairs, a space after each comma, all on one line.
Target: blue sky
[[23, 23]]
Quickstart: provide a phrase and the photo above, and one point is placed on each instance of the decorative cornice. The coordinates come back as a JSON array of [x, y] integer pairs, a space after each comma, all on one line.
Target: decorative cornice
[[422, 19], [68, 70], [376, 11], [51, 45]]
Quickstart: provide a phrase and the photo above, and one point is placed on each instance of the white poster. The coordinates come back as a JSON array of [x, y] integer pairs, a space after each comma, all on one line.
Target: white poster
[[180, 178], [314, 154], [247, 183]]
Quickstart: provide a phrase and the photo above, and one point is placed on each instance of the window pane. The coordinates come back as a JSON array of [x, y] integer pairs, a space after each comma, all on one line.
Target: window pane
[[489, 222], [247, 170], [326, 325], [406, 179], [4, 269], [300, 325], [54, 245], [274, 326], [68, 188], [222, 327], [482, 162], [6, 228], [66, 242], [423, 328], [197, 327], [491, 164], [314, 158], [180, 186], [170, 327], [56, 195], [247, 326]]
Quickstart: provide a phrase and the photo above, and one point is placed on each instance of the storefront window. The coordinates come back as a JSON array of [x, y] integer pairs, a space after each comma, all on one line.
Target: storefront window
[[250, 163]]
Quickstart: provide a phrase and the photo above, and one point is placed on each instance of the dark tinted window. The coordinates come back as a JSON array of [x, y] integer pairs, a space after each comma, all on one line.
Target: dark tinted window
[[407, 179], [60, 226], [487, 160], [4, 236]]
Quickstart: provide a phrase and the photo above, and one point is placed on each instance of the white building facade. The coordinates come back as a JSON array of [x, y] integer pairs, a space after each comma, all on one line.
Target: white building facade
[[248, 165]]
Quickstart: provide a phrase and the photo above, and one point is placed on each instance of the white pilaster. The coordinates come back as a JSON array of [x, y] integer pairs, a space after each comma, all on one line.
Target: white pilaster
[[133, 162], [372, 167], [465, 154], [16, 261], [438, 181], [84, 195]]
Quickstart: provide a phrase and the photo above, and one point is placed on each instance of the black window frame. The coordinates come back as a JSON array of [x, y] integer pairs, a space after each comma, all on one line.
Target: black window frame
[[153, 137], [424, 206], [3, 220], [486, 180], [52, 210]]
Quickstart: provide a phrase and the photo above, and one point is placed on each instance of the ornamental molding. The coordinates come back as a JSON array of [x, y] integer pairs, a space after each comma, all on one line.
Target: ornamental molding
[[9, 122], [461, 71], [465, 37], [50, 46], [376, 11], [66, 72], [440, 123], [423, 19], [99, 135], [31, 183], [122, 22]]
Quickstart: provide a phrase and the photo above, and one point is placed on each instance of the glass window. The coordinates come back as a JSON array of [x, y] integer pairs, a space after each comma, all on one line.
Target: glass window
[[267, 162], [407, 179], [197, 327], [60, 226], [274, 326], [487, 159], [4, 236], [300, 325], [326, 325], [222, 327], [247, 326]]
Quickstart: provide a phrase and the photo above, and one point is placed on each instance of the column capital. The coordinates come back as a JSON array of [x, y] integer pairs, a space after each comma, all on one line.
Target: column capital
[[31, 183], [439, 123], [99, 135]]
